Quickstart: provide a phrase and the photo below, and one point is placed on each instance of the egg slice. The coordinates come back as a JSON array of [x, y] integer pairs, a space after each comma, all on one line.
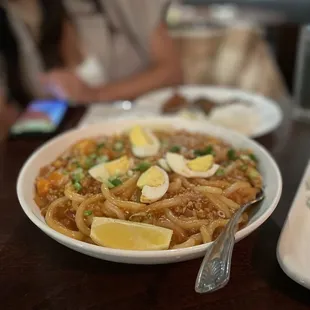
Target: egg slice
[[154, 183], [143, 142], [201, 167], [117, 167], [162, 162]]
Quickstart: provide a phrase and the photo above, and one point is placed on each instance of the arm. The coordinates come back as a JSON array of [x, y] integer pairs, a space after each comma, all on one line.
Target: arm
[[165, 70], [69, 47]]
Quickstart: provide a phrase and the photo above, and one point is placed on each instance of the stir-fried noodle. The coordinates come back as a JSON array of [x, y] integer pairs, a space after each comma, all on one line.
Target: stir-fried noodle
[[196, 208]]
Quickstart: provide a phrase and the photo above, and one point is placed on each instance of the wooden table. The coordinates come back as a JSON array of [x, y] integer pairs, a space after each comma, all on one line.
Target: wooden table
[[38, 273]]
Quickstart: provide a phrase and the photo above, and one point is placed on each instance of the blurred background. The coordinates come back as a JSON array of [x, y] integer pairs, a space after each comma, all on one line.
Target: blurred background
[[215, 45], [218, 47]]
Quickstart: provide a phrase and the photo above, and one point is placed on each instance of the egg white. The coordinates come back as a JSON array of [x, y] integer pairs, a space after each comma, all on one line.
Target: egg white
[[149, 149], [151, 194], [163, 164], [101, 174], [178, 164]]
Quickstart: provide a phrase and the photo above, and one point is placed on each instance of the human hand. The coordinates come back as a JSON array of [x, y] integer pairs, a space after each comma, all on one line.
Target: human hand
[[65, 84]]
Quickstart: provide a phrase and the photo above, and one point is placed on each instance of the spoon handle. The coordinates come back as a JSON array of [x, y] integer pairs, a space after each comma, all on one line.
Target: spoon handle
[[215, 269]]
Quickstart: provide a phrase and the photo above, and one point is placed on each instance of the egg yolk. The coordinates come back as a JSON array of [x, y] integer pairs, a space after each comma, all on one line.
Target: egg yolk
[[117, 167], [201, 164], [152, 177], [139, 137]]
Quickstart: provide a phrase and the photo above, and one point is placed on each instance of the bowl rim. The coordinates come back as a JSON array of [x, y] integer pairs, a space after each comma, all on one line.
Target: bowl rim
[[170, 253]]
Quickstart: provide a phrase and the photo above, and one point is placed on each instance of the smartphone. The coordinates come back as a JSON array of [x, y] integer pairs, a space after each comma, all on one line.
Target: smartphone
[[41, 116]]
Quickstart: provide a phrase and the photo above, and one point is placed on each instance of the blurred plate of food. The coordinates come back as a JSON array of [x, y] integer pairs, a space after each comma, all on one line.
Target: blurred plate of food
[[245, 112]]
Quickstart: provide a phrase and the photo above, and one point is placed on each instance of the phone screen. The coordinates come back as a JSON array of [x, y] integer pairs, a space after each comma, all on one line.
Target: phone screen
[[41, 116]]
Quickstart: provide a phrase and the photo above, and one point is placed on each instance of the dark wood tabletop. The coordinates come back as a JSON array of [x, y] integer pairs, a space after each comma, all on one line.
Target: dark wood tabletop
[[38, 273]]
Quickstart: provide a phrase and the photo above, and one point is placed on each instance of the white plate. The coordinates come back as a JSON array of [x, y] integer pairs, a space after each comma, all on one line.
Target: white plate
[[293, 250], [49, 151], [269, 113]]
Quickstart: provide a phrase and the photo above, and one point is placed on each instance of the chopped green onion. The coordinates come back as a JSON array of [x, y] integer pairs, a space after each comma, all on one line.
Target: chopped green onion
[[78, 170], [77, 175], [175, 149], [89, 162], [220, 172], [206, 151], [77, 185], [244, 167], [116, 182], [253, 157], [93, 156], [252, 173], [143, 166], [109, 184], [88, 212], [102, 159], [118, 146], [76, 178], [231, 154], [76, 162], [100, 146]]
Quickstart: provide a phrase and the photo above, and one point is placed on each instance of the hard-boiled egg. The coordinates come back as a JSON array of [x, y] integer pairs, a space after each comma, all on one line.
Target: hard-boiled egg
[[154, 183], [162, 162], [202, 167], [143, 142], [114, 168]]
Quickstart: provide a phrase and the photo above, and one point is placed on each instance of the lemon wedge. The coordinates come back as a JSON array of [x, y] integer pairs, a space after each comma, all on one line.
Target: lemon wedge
[[126, 235]]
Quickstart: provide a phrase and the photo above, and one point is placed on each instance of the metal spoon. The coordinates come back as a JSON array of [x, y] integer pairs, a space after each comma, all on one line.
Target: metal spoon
[[214, 271]]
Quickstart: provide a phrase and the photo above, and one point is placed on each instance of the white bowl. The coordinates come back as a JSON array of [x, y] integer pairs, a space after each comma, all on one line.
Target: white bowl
[[49, 151]]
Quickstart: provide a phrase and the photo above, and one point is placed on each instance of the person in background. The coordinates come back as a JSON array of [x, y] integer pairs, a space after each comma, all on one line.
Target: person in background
[[129, 41], [35, 36]]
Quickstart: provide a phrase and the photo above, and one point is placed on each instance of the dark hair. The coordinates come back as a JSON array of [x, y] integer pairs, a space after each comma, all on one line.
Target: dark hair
[[54, 14]]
